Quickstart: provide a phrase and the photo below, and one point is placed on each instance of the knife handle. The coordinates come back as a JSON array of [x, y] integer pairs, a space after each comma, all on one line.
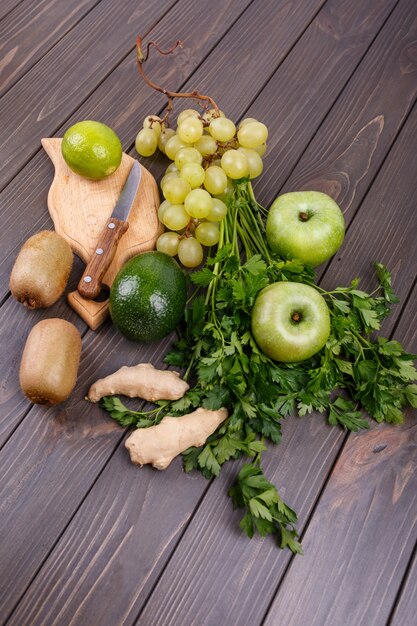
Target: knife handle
[[90, 284]]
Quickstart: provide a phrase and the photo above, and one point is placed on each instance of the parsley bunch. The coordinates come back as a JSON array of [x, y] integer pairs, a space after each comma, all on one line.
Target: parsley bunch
[[228, 369]]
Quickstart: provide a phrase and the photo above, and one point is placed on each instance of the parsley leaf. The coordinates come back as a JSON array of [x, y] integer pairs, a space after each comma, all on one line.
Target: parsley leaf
[[266, 512]]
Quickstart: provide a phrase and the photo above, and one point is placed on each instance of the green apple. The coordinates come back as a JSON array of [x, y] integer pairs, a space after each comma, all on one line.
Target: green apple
[[290, 321], [305, 225]]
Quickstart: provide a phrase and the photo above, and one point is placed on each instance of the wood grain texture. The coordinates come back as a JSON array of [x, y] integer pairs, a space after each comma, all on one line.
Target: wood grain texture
[[7, 6], [83, 58], [223, 586], [406, 609], [354, 138], [24, 38], [64, 449], [117, 526], [80, 209]]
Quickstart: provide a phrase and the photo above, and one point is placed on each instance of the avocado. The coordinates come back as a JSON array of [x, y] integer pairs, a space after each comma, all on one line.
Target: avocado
[[148, 297]]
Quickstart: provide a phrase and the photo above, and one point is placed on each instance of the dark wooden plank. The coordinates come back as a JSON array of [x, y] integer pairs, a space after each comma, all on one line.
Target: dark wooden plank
[[30, 188], [54, 434], [406, 609], [234, 560], [110, 104], [31, 29], [7, 6], [66, 75], [363, 531]]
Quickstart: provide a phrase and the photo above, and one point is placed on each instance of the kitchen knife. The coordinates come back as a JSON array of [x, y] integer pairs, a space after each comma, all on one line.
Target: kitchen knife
[[90, 284]]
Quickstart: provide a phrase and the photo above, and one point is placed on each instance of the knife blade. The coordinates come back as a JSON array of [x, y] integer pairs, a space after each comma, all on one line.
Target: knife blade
[[116, 226]]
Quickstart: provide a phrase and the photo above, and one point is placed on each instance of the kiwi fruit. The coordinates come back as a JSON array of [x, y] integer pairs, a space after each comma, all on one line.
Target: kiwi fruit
[[41, 270], [49, 365]]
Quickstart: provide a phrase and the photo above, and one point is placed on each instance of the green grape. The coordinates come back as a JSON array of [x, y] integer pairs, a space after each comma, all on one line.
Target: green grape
[[167, 177], [187, 155], [198, 203], [175, 217], [193, 173], [206, 145], [252, 134], [154, 123], [190, 130], [218, 211], [187, 113], [217, 162], [190, 252], [172, 168], [215, 180], [168, 243], [235, 164], [172, 146], [255, 162], [164, 205], [211, 114], [227, 192], [176, 190], [222, 129], [260, 149], [165, 135], [247, 120], [146, 142], [207, 233]]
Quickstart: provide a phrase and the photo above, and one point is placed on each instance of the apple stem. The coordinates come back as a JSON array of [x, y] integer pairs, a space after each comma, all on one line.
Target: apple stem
[[303, 216], [296, 317]]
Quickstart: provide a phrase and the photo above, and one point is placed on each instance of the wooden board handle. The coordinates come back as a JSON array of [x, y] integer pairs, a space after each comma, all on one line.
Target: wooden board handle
[[93, 313], [90, 284]]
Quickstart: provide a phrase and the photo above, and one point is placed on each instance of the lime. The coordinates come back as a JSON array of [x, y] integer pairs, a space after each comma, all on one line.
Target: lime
[[91, 149], [148, 297]]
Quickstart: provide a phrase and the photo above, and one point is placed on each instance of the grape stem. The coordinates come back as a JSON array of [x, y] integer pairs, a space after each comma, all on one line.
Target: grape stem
[[203, 100]]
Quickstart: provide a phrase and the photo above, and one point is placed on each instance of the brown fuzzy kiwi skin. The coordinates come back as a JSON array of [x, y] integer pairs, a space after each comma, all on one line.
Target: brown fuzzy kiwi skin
[[50, 360], [41, 270]]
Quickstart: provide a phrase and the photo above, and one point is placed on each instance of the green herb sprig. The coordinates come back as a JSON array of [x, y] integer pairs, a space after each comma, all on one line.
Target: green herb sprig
[[352, 373]]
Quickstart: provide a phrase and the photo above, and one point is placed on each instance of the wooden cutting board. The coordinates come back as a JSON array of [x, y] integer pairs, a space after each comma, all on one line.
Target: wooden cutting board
[[80, 208]]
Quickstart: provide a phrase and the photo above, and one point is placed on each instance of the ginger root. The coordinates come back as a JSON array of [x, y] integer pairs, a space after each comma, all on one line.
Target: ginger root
[[140, 381], [158, 445]]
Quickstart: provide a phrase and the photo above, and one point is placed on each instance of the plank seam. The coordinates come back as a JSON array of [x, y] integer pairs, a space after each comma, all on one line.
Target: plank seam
[[338, 97], [63, 34], [96, 86], [177, 543], [401, 588], [306, 527], [10, 615], [12, 9], [366, 193]]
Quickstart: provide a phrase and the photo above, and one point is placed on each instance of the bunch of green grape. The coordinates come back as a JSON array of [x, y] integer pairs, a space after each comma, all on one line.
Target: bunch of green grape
[[207, 151]]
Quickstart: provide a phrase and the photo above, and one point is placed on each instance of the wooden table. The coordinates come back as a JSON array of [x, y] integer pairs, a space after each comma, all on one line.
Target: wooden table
[[87, 538]]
